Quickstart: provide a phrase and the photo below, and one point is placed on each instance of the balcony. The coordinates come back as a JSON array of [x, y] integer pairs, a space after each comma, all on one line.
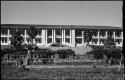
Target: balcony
[[50, 36], [58, 36], [95, 36], [4, 35], [67, 36]]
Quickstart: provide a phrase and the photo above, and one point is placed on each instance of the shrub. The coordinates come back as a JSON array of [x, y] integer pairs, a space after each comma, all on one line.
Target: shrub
[[112, 54], [65, 53], [44, 53]]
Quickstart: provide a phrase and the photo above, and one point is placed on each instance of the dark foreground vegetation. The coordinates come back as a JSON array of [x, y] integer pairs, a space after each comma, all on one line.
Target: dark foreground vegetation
[[8, 72]]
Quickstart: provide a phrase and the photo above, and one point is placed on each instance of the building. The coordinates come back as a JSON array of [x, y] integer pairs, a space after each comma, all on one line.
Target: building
[[71, 35]]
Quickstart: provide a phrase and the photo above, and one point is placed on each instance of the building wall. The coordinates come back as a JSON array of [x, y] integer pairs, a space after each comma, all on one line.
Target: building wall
[[72, 37]]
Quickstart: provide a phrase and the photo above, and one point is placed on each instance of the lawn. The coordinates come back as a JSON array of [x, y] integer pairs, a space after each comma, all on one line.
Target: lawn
[[61, 73]]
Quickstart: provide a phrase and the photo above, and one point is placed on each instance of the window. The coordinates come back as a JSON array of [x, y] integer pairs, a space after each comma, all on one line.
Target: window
[[4, 31], [78, 33], [110, 33], [78, 40], [102, 33], [49, 32], [38, 40], [118, 41], [22, 32], [68, 40], [94, 33], [67, 32], [38, 32], [49, 40], [118, 34], [102, 40], [58, 40], [4, 39], [29, 40], [94, 41], [12, 31], [58, 32]]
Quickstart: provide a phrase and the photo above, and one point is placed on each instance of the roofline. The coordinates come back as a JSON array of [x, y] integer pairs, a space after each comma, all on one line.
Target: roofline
[[63, 26]]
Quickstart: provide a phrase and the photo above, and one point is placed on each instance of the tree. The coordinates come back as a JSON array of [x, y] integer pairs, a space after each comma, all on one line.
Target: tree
[[32, 33], [109, 43], [16, 40], [87, 36]]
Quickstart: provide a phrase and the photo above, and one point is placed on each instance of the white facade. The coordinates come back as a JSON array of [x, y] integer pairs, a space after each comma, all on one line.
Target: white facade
[[72, 37]]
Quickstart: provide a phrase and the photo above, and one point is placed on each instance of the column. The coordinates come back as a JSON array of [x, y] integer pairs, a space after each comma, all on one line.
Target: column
[[54, 35], [25, 36], [122, 38], [82, 37], [73, 38], [98, 38], [106, 34], [64, 37], [114, 35], [46, 37], [8, 37], [70, 36], [43, 37]]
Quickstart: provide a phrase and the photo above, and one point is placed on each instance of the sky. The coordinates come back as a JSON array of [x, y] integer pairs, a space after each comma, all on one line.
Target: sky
[[102, 13]]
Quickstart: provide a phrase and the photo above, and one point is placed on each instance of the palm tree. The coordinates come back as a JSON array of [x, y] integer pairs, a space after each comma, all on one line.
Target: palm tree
[[32, 33], [16, 40]]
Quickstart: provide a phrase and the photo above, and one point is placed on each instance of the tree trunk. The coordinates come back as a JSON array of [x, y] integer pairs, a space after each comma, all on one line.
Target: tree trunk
[[120, 62], [27, 58]]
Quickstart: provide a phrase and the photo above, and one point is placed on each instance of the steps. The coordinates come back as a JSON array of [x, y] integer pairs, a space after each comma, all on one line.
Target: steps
[[81, 50]]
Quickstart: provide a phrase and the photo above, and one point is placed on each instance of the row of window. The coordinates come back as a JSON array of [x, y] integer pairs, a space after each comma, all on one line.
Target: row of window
[[67, 32], [59, 40]]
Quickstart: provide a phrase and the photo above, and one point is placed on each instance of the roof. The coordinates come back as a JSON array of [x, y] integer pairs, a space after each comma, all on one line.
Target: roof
[[27, 26]]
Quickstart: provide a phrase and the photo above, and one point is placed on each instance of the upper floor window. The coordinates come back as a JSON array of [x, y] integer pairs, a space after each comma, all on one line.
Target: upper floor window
[[94, 33], [38, 40], [110, 33], [118, 34], [22, 32], [102, 33], [78, 40], [4, 31], [67, 32], [49, 32], [4, 39], [68, 40], [78, 32], [38, 32], [58, 32]]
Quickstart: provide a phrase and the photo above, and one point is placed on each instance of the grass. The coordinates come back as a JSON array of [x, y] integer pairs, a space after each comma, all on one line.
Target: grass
[[61, 73]]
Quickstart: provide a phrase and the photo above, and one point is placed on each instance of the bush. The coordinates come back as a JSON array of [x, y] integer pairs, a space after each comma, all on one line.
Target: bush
[[112, 54], [63, 54], [44, 53]]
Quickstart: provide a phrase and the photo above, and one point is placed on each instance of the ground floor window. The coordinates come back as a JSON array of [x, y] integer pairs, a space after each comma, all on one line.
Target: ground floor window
[[58, 40], [67, 40], [78, 40], [94, 41], [4, 39], [38, 40], [102, 41], [118, 41], [29, 40], [49, 40]]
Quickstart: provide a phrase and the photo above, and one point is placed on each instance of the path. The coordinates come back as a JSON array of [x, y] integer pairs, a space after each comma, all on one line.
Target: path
[[70, 66]]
